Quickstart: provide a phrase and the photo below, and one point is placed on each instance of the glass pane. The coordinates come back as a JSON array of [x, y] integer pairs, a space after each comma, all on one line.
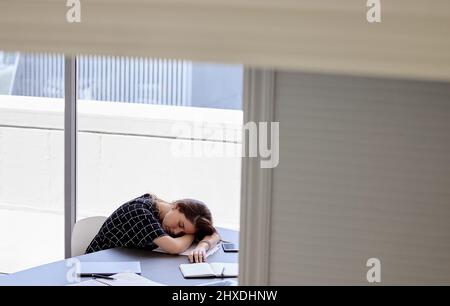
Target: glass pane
[[169, 127], [31, 160], [160, 81]]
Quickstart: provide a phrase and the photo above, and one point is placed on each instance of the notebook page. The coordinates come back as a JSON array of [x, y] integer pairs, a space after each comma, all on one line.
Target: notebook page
[[196, 270], [231, 269], [129, 279], [88, 283]]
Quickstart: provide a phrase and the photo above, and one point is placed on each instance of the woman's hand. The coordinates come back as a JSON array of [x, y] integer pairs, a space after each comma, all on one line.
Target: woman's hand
[[208, 242], [198, 254]]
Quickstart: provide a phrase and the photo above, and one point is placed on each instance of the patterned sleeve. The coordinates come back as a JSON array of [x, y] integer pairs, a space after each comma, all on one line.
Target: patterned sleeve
[[132, 225], [142, 229]]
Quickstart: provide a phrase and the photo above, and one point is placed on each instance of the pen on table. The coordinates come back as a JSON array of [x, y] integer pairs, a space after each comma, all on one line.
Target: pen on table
[[102, 276]]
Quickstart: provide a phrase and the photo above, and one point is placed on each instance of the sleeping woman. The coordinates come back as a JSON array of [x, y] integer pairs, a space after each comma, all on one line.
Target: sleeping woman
[[149, 222]]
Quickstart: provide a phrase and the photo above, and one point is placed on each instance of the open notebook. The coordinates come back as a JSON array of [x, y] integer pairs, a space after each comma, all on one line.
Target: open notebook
[[191, 248], [207, 270]]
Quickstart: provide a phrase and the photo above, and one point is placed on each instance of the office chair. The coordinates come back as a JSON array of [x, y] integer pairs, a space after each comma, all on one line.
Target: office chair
[[83, 232]]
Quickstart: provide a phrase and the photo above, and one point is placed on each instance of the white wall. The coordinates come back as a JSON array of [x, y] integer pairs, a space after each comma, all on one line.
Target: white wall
[[364, 172], [125, 150]]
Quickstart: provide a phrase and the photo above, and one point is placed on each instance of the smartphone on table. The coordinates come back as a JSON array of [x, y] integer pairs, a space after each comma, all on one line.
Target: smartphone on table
[[230, 247]]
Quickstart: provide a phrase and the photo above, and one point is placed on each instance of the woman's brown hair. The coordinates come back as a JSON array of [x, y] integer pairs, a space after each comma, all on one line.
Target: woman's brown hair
[[199, 214]]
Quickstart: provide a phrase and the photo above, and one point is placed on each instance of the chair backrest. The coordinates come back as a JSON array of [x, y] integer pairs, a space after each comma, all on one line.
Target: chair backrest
[[83, 232]]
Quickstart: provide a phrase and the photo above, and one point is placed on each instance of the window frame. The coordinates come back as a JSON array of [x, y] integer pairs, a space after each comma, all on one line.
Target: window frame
[[255, 206], [70, 151]]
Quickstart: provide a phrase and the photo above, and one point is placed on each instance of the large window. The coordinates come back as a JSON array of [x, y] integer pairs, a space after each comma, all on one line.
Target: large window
[[31, 160], [170, 127]]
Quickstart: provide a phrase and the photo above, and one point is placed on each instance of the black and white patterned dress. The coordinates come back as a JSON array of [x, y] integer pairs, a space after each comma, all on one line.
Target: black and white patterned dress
[[135, 224]]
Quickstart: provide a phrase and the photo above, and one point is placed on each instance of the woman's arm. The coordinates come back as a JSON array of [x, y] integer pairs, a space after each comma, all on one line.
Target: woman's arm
[[212, 239], [199, 254], [174, 245]]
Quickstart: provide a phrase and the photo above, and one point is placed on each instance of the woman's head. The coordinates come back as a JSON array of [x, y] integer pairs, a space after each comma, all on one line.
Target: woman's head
[[188, 216]]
